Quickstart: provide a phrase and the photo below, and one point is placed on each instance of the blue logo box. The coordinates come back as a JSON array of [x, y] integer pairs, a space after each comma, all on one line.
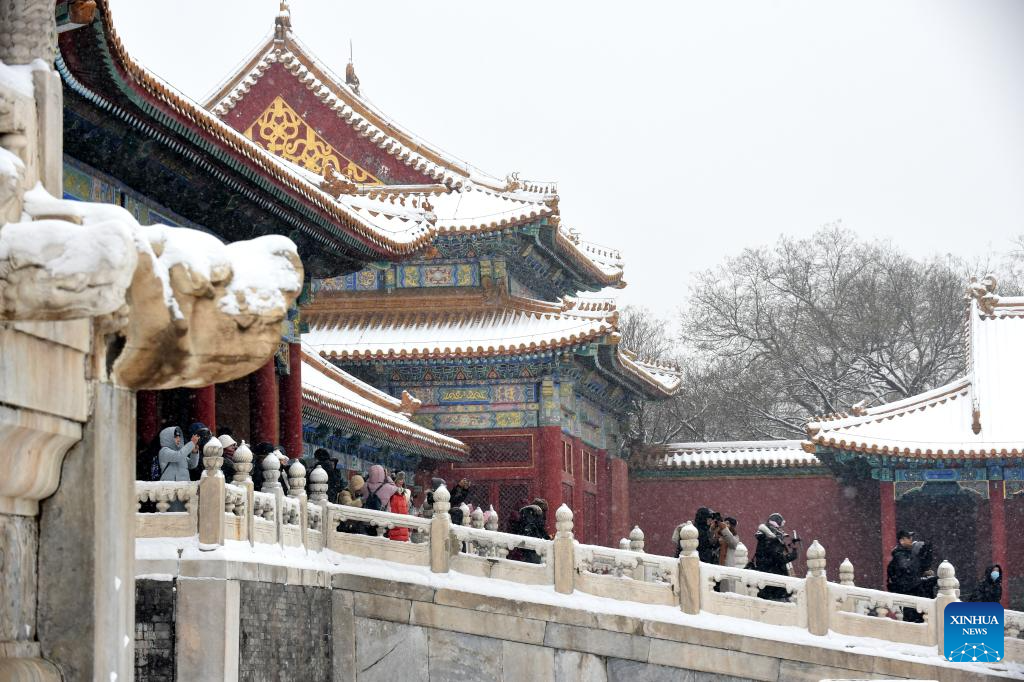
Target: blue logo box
[[973, 631]]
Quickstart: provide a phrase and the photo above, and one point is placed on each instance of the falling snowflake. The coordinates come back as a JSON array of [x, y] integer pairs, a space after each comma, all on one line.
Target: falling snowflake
[[974, 652]]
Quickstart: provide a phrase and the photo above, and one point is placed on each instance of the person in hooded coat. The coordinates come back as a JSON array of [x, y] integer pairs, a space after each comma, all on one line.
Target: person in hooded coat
[[177, 455], [399, 505], [531, 524], [427, 510], [380, 484], [990, 588], [773, 554]]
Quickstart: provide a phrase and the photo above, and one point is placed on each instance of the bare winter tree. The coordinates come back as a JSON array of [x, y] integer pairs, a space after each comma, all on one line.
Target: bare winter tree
[[816, 325]]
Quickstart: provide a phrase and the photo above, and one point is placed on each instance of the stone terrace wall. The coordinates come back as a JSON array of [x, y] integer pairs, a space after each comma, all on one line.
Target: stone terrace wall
[[285, 632], [154, 630], [268, 623]]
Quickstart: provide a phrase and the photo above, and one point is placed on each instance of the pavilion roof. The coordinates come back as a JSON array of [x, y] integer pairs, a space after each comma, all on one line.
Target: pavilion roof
[[462, 199], [974, 417], [415, 327], [96, 64], [332, 395]]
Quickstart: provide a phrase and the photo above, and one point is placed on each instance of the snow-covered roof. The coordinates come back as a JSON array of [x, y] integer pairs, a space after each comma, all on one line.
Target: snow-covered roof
[[390, 237], [472, 201], [339, 395], [758, 454], [503, 330], [975, 416]]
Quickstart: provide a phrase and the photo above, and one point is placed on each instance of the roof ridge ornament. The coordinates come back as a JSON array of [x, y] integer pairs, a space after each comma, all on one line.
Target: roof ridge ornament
[[282, 23], [984, 292], [351, 79]]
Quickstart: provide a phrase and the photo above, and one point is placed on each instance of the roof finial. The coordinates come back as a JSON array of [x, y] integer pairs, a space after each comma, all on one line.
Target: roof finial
[[351, 79], [283, 22]]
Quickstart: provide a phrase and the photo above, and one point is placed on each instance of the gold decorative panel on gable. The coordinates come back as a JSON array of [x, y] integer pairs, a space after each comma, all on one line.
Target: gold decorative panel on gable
[[280, 130]]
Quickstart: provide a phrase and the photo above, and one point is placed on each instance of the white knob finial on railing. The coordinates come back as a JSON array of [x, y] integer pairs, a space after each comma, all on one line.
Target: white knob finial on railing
[[948, 583], [491, 519], [213, 456], [740, 556], [318, 479], [688, 539], [442, 499], [464, 508], [563, 521], [816, 560], [476, 518], [271, 467], [243, 464], [846, 573], [296, 479], [636, 539], [624, 543]]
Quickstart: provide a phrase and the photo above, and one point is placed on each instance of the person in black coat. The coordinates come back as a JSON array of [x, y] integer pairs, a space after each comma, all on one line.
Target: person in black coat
[[991, 586], [773, 554], [705, 545], [330, 466], [909, 571]]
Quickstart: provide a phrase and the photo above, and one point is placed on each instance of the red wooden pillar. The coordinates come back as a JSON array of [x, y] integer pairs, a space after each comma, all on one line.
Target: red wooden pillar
[[997, 518], [291, 403], [603, 496], [206, 406], [887, 499], [148, 419], [263, 404], [618, 484], [549, 471], [576, 503]]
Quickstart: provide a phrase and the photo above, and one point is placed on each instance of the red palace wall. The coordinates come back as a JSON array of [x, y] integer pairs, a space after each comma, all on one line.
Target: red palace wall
[[558, 468], [845, 519]]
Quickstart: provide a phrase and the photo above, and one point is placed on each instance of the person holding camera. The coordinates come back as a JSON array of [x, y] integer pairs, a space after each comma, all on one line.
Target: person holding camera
[[775, 550], [909, 572]]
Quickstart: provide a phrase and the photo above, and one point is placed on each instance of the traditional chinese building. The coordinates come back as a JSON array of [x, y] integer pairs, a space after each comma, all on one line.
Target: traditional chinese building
[[948, 464], [481, 326], [132, 140]]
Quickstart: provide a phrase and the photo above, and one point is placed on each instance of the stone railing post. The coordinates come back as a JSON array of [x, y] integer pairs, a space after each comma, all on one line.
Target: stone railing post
[[739, 560], [271, 467], [476, 520], [948, 585], [624, 543], [846, 573], [211, 497], [318, 479], [689, 571], [243, 477], [440, 531], [564, 550], [464, 508], [297, 490], [816, 591], [636, 539]]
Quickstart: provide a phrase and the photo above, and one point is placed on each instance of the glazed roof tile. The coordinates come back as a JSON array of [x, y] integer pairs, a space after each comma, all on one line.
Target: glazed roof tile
[[474, 200], [770, 454], [388, 237], [977, 415], [325, 388]]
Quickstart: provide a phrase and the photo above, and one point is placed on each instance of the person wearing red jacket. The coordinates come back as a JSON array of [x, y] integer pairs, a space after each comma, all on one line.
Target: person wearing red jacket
[[399, 505]]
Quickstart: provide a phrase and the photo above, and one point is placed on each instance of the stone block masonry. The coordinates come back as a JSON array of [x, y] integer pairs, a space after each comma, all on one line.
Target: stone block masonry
[[154, 630], [285, 632]]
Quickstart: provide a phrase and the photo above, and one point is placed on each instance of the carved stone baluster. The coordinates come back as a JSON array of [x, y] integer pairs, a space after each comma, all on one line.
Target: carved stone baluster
[[563, 549], [212, 497], [243, 464], [163, 498], [948, 586], [271, 473], [816, 591], [689, 570], [440, 531], [624, 543], [318, 479], [296, 479], [846, 573], [636, 539]]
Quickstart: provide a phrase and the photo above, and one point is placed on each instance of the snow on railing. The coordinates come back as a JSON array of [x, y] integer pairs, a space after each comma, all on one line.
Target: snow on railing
[[237, 512]]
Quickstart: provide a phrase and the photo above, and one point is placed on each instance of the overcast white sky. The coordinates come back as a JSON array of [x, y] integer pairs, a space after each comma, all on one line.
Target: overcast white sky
[[679, 132]]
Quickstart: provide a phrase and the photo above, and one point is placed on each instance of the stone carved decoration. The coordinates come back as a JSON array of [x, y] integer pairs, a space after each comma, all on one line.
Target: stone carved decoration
[[213, 457], [318, 481], [636, 539], [688, 539], [816, 560], [191, 310], [491, 519], [29, 31], [271, 473], [296, 479], [442, 500], [846, 573], [563, 521], [243, 464], [623, 543], [740, 556]]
